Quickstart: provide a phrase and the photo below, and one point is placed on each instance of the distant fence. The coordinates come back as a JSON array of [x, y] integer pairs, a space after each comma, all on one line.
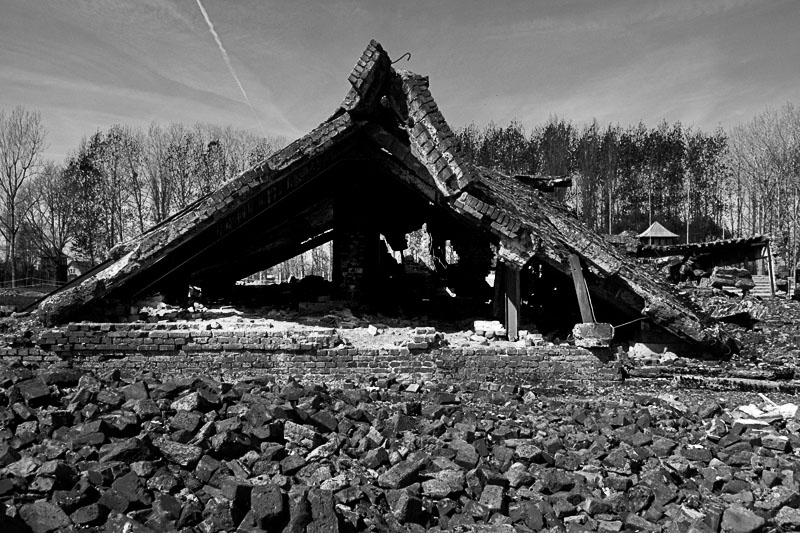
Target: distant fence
[[38, 284]]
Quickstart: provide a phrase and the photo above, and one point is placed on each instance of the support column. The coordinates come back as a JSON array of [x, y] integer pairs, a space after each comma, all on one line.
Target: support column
[[511, 277], [355, 253], [584, 302]]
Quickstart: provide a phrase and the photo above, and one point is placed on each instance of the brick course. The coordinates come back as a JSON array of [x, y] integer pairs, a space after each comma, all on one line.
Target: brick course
[[177, 348]]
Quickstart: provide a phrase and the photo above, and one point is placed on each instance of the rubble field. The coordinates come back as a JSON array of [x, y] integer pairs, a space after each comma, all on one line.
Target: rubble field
[[108, 452], [84, 451]]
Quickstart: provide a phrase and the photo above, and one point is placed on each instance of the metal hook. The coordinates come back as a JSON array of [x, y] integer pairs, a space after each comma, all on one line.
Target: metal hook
[[402, 56]]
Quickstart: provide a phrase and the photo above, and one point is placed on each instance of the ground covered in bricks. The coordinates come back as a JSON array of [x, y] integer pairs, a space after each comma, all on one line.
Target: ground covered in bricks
[[138, 451]]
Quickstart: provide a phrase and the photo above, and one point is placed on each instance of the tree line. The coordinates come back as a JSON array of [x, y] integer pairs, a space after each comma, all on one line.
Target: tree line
[[701, 185], [115, 184], [120, 181], [623, 178], [764, 184]]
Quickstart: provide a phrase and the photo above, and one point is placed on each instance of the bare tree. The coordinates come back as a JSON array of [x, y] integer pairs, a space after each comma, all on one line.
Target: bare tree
[[118, 160], [157, 178], [22, 141], [183, 156], [134, 208], [51, 218], [764, 156]]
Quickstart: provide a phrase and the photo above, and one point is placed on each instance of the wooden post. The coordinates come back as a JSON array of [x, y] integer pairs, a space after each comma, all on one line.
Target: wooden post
[[499, 298], [585, 304], [771, 269], [512, 300]]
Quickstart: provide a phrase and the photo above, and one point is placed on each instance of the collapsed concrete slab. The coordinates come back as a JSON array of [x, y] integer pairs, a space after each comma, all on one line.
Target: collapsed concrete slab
[[385, 160]]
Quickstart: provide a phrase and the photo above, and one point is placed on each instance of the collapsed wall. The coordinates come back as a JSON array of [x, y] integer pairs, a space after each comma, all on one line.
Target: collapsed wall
[[246, 352]]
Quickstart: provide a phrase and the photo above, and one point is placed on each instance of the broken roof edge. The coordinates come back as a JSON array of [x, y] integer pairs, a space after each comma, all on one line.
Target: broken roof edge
[[367, 79], [432, 140], [374, 82]]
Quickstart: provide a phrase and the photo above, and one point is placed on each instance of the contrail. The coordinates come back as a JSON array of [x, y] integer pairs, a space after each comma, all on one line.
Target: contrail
[[230, 65]]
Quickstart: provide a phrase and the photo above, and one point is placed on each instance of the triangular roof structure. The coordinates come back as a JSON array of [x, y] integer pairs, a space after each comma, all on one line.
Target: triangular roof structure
[[656, 230], [388, 131]]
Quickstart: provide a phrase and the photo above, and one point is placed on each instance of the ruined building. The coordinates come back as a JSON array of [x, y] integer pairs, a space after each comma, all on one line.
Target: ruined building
[[382, 164]]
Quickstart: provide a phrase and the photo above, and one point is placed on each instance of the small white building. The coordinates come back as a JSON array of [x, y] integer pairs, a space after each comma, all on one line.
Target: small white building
[[658, 235]]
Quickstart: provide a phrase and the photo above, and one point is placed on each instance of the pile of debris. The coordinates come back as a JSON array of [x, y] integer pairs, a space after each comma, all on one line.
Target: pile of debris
[[163, 312], [769, 334], [139, 455], [486, 331], [738, 278]]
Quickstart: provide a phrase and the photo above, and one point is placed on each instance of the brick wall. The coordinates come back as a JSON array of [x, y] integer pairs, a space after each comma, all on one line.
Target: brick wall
[[175, 348]]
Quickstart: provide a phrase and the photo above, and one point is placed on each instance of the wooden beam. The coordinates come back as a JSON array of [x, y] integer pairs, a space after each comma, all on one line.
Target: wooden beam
[[584, 302], [512, 300]]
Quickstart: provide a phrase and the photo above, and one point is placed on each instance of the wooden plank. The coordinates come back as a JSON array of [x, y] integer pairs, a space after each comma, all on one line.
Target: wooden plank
[[585, 304], [512, 300]]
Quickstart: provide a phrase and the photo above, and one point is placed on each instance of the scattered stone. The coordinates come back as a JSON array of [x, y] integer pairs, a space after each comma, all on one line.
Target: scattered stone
[[268, 505], [435, 488], [89, 515], [126, 451], [788, 518], [775, 442], [518, 475], [182, 454], [204, 456], [738, 519], [400, 475], [44, 517], [493, 498], [35, 391]]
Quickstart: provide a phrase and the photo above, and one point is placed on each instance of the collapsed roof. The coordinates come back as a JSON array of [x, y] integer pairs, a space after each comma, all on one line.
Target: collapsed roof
[[389, 151]]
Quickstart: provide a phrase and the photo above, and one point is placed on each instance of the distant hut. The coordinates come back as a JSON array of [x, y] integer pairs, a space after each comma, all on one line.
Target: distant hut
[[658, 235], [76, 268]]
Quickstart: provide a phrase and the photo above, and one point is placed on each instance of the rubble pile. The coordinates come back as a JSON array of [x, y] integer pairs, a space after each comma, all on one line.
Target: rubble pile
[[196, 311], [775, 339], [492, 330], [739, 278], [109, 453], [769, 333]]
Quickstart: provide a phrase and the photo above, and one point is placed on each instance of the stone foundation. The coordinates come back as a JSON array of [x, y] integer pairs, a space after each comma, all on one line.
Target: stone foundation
[[231, 354]]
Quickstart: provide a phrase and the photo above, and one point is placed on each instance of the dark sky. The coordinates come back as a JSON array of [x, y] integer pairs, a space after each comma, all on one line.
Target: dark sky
[[87, 64]]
